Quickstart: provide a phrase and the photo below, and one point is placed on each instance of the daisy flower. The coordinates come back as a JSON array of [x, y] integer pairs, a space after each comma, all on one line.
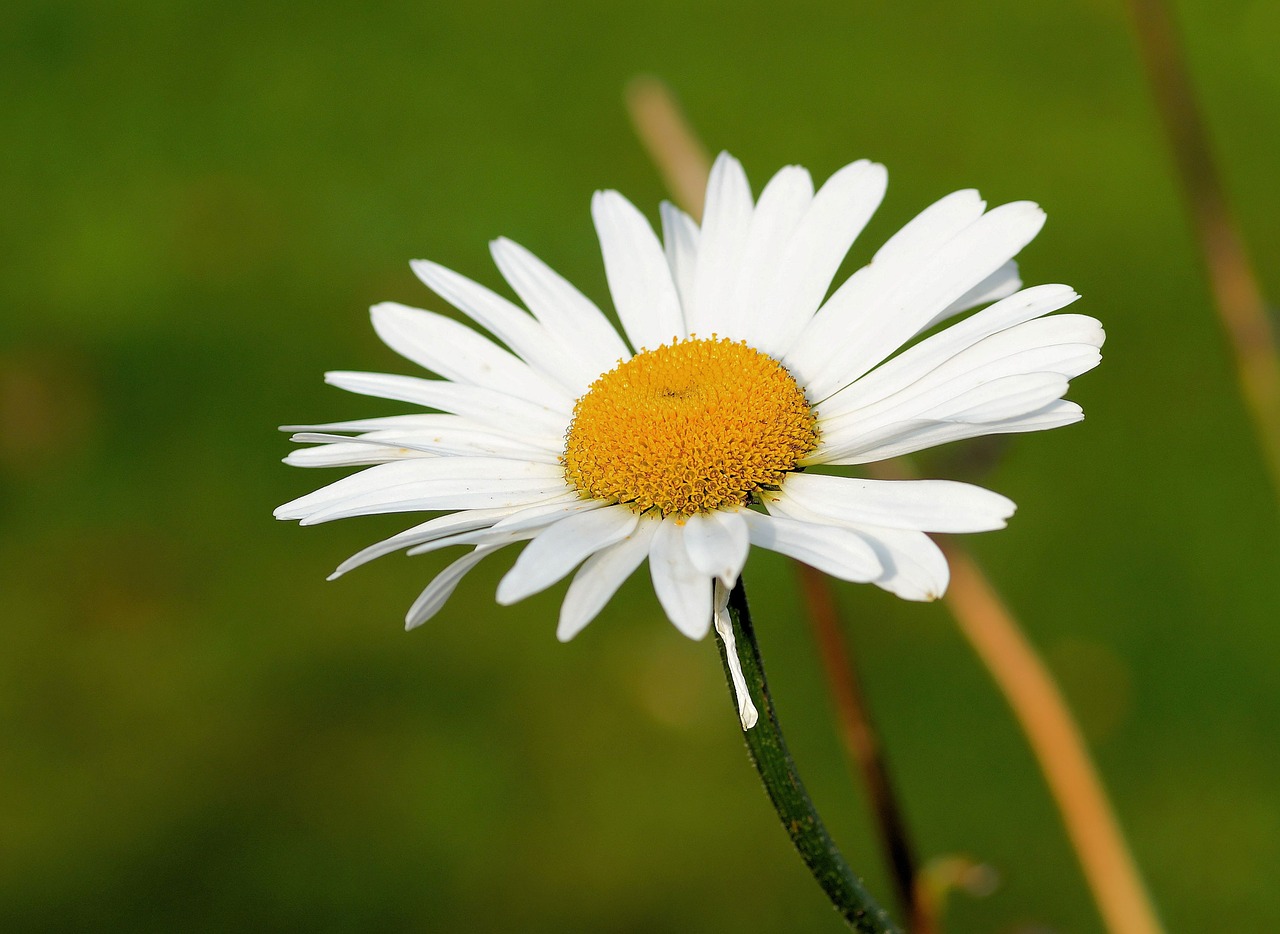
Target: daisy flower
[[689, 436]]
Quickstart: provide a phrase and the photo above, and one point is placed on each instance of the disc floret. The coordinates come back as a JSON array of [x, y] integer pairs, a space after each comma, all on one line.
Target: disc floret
[[693, 426]]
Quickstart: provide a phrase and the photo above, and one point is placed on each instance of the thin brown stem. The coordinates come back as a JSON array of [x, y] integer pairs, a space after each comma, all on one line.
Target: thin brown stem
[[863, 747], [1236, 293]]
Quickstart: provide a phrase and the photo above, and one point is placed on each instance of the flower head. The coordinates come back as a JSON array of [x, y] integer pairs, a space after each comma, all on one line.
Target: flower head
[[687, 442]]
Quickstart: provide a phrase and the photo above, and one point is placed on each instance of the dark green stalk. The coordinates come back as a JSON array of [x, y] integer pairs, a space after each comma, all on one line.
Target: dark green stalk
[[769, 754]]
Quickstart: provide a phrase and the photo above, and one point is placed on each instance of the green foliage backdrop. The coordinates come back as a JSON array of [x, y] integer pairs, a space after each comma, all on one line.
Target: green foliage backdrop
[[198, 733]]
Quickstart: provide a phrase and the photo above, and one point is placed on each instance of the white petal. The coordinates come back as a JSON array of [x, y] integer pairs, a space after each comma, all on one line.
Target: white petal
[[472, 494], [911, 565], [426, 421], [433, 598], [974, 379], [717, 543], [910, 365], [477, 538], [839, 212], [933, 227], [883, 305], [1005, 397], [683, 590], [519, 525], [509, 323], [345, 453], [601, 575], [747, 712], [726, 221], [782, 204], [544, 514], [561, 547], [437, 424], [1066, 345], [915, 567], [439, 527], [1002, 283], [639, 277], [895, 261], [836, 551], [569, 316], [459, 353], [392, 445], [525, 523], [486, 406], [923, 505], [906, 437], [429, 483], [680, 240]]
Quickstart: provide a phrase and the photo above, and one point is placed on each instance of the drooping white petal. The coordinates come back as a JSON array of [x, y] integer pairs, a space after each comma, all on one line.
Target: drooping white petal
[[680, 236], [460, 353], [717, 543], [747, 712], [923, 505], [915, 567], [509, 323], [494, 409], [836, 551], [683, 590], [570, 317], [437, 593], [726, 221], [639, 277], [782, 204], [561, 547], [884, 304], [803, 273], [601, 575], [911, 565]]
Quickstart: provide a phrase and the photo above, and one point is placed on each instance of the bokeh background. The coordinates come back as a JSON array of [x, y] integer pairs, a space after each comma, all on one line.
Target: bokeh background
[[198, 733]]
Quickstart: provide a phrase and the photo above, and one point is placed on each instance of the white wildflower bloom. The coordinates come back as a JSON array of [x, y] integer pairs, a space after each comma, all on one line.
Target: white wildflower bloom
[[683, 440]]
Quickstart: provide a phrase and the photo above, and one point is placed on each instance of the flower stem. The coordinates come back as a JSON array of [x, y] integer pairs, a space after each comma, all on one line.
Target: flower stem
[[768, 751]]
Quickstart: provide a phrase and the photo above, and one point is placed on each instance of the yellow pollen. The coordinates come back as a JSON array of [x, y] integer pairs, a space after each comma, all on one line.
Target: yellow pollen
[[693, 426]]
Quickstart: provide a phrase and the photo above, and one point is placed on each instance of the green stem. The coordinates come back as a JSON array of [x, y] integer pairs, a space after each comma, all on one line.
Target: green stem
[[769, 754]]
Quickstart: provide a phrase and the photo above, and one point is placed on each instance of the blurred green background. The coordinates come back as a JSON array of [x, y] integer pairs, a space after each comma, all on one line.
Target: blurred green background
[[198, 733]]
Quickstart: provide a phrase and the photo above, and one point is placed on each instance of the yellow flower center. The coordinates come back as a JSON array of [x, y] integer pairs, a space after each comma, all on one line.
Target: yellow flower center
[[690, 427]]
